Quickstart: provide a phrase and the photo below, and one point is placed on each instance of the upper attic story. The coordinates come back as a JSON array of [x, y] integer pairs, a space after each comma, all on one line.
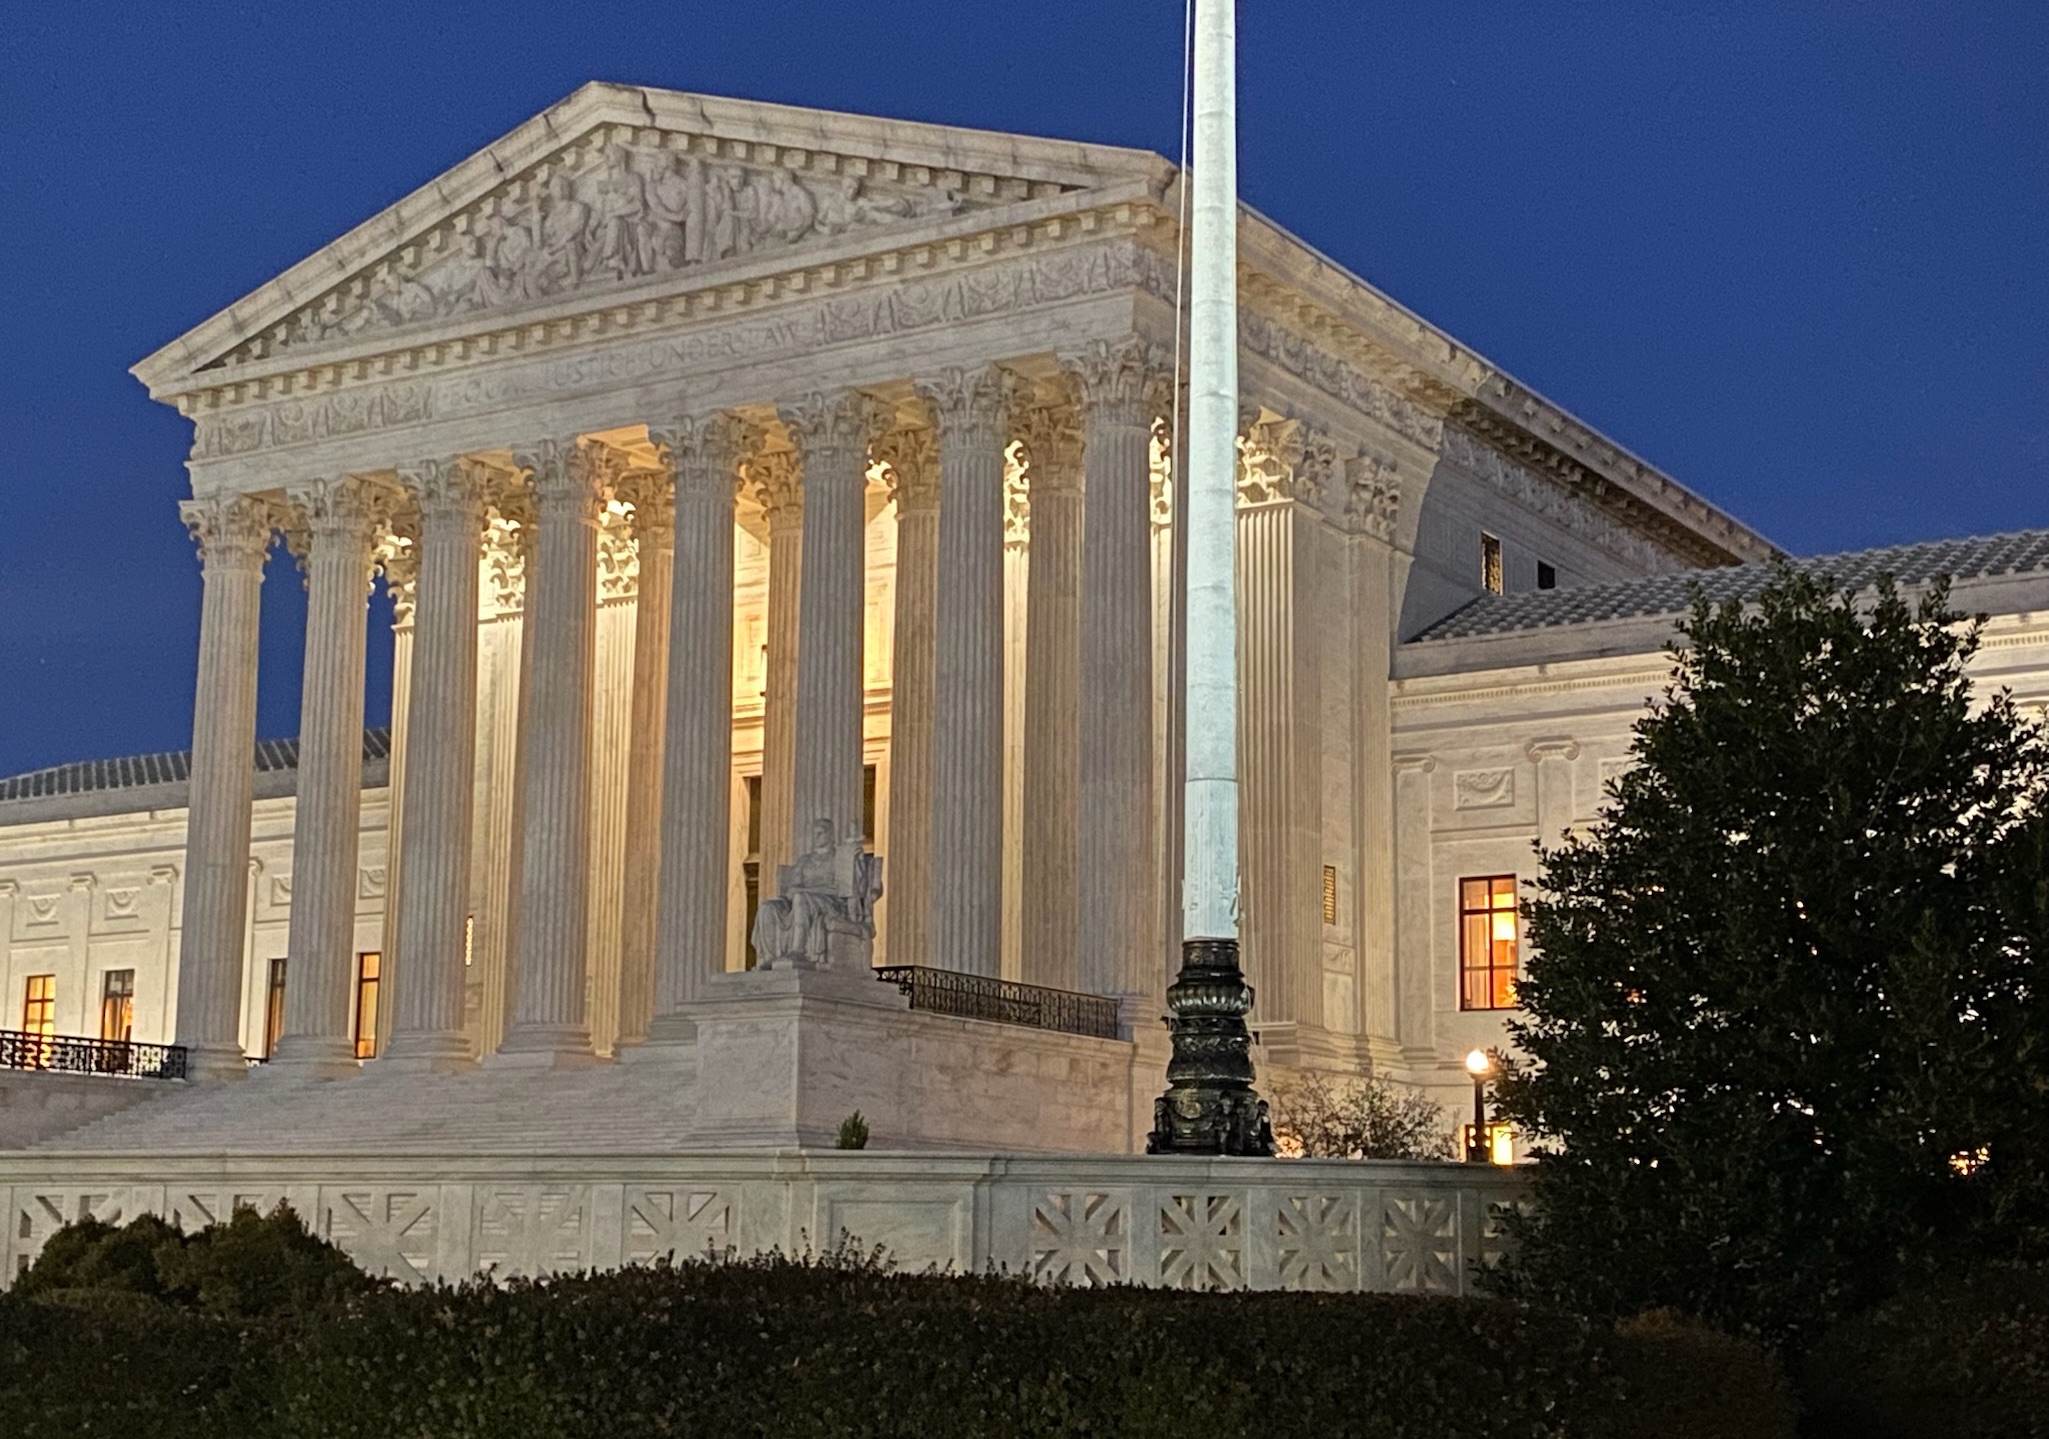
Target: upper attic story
[[630, 246], [2004, 577]]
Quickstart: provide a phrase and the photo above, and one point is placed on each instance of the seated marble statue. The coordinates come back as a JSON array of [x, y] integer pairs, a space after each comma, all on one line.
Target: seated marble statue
[[823, 915]]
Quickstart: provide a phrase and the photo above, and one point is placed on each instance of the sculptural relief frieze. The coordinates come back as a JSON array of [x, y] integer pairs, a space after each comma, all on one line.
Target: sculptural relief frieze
[[623, 206], [1544, 497]]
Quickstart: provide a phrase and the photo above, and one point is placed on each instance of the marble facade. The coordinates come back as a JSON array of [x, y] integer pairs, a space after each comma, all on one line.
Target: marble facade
[[737, 468]]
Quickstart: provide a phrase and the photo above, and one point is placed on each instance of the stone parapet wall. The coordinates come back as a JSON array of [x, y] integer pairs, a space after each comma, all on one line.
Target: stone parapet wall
[[1181, 1223]]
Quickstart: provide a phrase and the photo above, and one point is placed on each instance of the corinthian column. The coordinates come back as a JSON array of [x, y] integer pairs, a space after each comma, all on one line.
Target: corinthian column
[[913, 460], [652, 526], [697, 762], [1115, 847], [554, 890], [437, 808], [967, 706], [776, 478], [1052, 718], [233, 534], [341, 517], [832, 433]]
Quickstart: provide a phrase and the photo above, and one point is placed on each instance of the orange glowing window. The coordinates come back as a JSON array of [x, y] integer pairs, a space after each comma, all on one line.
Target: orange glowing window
[[367, 967], [117, 1005], [1487, 942], [39, 1005]]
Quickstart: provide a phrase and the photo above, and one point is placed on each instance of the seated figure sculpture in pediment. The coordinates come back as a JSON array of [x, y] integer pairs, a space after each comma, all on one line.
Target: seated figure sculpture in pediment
[[823, 915]]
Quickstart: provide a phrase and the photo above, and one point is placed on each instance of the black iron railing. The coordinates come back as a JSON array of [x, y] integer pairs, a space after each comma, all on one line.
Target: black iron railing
[[976, 996], [68, 1054]]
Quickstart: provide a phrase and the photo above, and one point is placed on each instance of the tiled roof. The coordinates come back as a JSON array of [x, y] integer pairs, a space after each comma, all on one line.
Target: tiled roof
[[170, 767], [1980, 557]]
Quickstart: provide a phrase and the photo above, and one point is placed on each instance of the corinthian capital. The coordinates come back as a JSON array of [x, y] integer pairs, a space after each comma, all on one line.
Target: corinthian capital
[[232, 531], [970, 405], [1052, 435], [1270, 450], [703, 454], [1114, 377], [777, 481], [831, 432], [568, 478], [911, 454], [449, 490]]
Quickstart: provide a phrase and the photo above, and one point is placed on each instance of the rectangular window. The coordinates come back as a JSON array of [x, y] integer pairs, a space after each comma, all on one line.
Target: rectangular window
[[469, 940], [1330, 894], [868, 801], [750, 867], [117, 1005], [1487, 942], [274, 1007], [367, 966], [39, 1006], [1490, 563], [1547, 575]]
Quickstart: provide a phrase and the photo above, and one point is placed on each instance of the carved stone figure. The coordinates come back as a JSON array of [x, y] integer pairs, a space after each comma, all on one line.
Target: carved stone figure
[[618, 204], [561, 226], [721, 217], [787, 208], [665, 229], [823, 915]]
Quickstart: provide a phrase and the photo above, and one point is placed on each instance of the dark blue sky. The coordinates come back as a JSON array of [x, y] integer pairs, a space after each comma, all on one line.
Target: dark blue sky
[[1795, 254]]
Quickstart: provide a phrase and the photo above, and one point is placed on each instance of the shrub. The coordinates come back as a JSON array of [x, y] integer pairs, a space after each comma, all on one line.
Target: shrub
[[1361, 1118], [853, 1132], [1965, 1357], [836, 1345]]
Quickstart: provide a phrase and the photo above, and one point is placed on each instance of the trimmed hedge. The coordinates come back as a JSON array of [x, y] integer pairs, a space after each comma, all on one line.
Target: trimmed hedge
[[839, 1346]]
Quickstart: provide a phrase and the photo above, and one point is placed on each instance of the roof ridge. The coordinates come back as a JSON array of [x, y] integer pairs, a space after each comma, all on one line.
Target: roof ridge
[[1964, 557], [156, 767]]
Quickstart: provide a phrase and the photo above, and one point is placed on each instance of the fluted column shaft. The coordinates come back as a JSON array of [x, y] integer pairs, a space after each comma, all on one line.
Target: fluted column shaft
[[1052, 715], [327, 819], [654, 537], [777, 482], [832, 433], [697, 762], [233, 534], [554, 894], [1115, 845], [967, 704], [438, 807], [914, 487]]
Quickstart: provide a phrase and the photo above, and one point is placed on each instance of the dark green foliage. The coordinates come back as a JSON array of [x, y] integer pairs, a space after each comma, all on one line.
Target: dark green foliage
[[250, 1267], [1797, 967], [1967, 1358], [853, 1132], [839, 1346]]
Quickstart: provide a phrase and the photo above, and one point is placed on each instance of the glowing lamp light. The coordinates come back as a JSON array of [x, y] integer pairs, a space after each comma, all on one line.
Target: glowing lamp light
[[1479, 1062], [1501, 1146]]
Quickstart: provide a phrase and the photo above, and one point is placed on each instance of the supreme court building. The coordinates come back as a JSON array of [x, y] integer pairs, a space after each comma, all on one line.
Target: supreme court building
[[780, 508]]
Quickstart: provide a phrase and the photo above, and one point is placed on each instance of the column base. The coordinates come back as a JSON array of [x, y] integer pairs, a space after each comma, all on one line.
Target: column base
[[208, 1062], [427, 1052], [666, 1031], [544, 1046], [1210, 1106], [314, 1057]]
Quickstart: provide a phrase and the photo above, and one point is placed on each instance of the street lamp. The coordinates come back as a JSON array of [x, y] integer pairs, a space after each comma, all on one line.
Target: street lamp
[[1479, 1064]]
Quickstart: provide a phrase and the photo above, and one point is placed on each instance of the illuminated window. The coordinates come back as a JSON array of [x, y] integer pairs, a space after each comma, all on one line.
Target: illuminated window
[[1490, 564], [39, 1008], [117, 1005], [274, 1007], [1486, 912], [1500, 1141], [1547, 576], [1330, 894], [750, 868], [367, 965], [469, 940]]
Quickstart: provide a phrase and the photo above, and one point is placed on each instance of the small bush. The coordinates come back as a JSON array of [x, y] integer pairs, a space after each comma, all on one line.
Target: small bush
[[853, 1132], [1363, 1118]]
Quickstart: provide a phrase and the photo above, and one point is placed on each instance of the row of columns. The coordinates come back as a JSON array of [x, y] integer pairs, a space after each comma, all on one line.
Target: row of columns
[[1088, 854]]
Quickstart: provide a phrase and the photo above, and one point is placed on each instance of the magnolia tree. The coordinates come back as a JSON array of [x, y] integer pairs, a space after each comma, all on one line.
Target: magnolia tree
[[1785, 1018]]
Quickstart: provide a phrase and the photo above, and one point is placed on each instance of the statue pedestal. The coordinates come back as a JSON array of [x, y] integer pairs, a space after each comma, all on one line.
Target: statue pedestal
[[784, 1055]]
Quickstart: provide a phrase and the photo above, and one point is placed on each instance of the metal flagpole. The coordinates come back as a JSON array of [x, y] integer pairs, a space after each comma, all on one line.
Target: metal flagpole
[[1210, 1106]]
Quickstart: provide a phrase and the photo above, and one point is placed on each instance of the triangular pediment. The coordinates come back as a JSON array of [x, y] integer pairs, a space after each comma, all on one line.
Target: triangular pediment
[[618, 192]]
